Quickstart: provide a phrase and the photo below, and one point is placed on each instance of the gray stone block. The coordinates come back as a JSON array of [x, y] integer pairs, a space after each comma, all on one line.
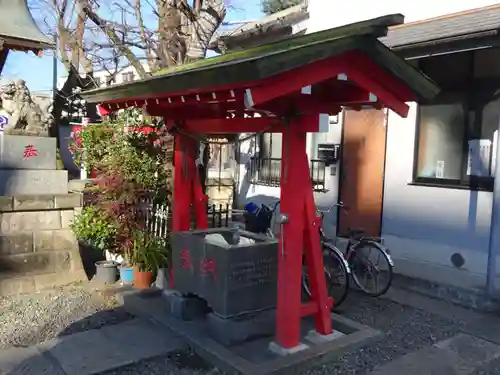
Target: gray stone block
[[18, 243], [33, 202], [29, 221], [78, 186], [6, 204], [27, 152], [237, 330], [33, 182], [54, 240], [35, 263], [67, 217], [186, 308], [70, 200]]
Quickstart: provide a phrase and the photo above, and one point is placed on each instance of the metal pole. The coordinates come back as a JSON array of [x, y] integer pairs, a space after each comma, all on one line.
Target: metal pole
[[494, 242], [54, 69]]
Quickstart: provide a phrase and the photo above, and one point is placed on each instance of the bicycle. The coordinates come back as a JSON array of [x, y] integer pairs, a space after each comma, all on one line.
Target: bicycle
[[362, 267], [337, 271]]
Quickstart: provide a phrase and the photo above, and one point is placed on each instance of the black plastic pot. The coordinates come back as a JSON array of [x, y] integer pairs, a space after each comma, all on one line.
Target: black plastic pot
[[90, 256], [106, 271]]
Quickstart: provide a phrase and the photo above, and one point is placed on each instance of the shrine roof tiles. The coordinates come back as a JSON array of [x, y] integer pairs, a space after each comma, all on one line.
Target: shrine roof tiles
[[18, 28], [271, 59]]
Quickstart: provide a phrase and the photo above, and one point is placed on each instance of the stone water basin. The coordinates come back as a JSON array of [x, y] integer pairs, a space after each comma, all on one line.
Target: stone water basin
[[235, 274]]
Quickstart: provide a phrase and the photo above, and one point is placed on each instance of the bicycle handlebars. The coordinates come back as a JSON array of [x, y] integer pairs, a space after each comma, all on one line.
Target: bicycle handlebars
[[339, 205]]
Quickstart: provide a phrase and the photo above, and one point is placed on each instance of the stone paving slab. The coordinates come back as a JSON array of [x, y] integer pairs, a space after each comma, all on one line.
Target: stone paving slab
[[27, 361], [460, 355], [91, 352]]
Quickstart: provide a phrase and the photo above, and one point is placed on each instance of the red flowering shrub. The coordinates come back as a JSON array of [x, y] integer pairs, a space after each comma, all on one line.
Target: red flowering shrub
[[134, 171]]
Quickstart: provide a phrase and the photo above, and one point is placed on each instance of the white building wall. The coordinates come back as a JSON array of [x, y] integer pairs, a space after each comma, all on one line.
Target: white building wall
[[424, 226]]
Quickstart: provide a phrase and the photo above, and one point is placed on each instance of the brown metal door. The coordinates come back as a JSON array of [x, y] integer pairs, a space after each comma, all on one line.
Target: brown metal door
[[362, 171]]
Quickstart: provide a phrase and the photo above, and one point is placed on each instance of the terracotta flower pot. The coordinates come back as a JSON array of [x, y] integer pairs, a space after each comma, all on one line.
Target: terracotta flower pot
[[142, 280]]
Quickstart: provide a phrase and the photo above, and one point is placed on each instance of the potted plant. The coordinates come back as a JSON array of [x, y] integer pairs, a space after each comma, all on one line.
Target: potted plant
[[95, 232], [149, 253]]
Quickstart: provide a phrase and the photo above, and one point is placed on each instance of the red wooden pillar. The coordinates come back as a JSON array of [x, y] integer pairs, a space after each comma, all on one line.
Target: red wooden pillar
[[300, 233], [187, 188]]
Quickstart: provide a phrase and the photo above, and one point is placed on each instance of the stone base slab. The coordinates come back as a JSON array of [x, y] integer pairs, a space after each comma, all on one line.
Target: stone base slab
[[40, 202], [33, 182], [316, 338], [237, 330], [281, 351], [27, 152], [253, 357], [184, 307]]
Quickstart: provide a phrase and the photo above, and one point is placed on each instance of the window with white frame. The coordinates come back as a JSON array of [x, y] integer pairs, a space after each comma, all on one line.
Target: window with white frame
[[456, 134]]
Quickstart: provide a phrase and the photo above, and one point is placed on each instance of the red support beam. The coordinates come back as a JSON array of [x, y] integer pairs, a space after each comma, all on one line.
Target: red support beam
[[293, 80], [369, 76], [300, 233], [190, 111], [242, 125]]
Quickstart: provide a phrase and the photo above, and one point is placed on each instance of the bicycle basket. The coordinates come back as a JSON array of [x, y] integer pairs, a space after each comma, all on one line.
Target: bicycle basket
[[258, 222]]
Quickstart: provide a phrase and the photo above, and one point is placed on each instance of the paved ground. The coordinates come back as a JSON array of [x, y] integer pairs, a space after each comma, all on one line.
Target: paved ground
[[423, 336]]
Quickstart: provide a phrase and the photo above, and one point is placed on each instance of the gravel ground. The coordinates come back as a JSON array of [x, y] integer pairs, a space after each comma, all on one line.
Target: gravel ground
[[491, 369], [407, 329], [30, 319]]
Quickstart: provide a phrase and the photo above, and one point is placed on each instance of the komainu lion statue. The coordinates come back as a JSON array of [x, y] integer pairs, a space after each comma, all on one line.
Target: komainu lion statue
[[25, 115]]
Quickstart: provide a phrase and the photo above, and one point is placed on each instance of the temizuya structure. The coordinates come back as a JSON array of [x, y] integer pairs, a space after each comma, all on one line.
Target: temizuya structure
[[294, 85], [18, 30]]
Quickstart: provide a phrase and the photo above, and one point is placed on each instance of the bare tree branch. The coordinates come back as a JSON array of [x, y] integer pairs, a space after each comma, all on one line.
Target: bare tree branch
[[113, 36]]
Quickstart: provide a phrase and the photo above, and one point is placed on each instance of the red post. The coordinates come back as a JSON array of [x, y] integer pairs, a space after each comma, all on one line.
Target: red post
[[187, 188], [181, 215], [299, 233]]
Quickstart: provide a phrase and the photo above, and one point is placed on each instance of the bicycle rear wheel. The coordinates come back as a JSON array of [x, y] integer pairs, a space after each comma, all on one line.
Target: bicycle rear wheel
[[336, 275], [371, 268]]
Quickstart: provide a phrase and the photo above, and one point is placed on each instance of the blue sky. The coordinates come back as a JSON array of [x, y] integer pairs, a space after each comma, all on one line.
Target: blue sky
[[37, 71]]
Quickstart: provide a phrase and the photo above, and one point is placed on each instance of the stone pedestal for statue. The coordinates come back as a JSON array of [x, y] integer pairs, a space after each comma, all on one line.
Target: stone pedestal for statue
[[37, 247], [28, 165]]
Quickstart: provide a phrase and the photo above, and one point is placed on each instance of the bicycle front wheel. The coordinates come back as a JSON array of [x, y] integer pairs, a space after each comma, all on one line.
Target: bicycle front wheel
[[371, 268], [336, 275]]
